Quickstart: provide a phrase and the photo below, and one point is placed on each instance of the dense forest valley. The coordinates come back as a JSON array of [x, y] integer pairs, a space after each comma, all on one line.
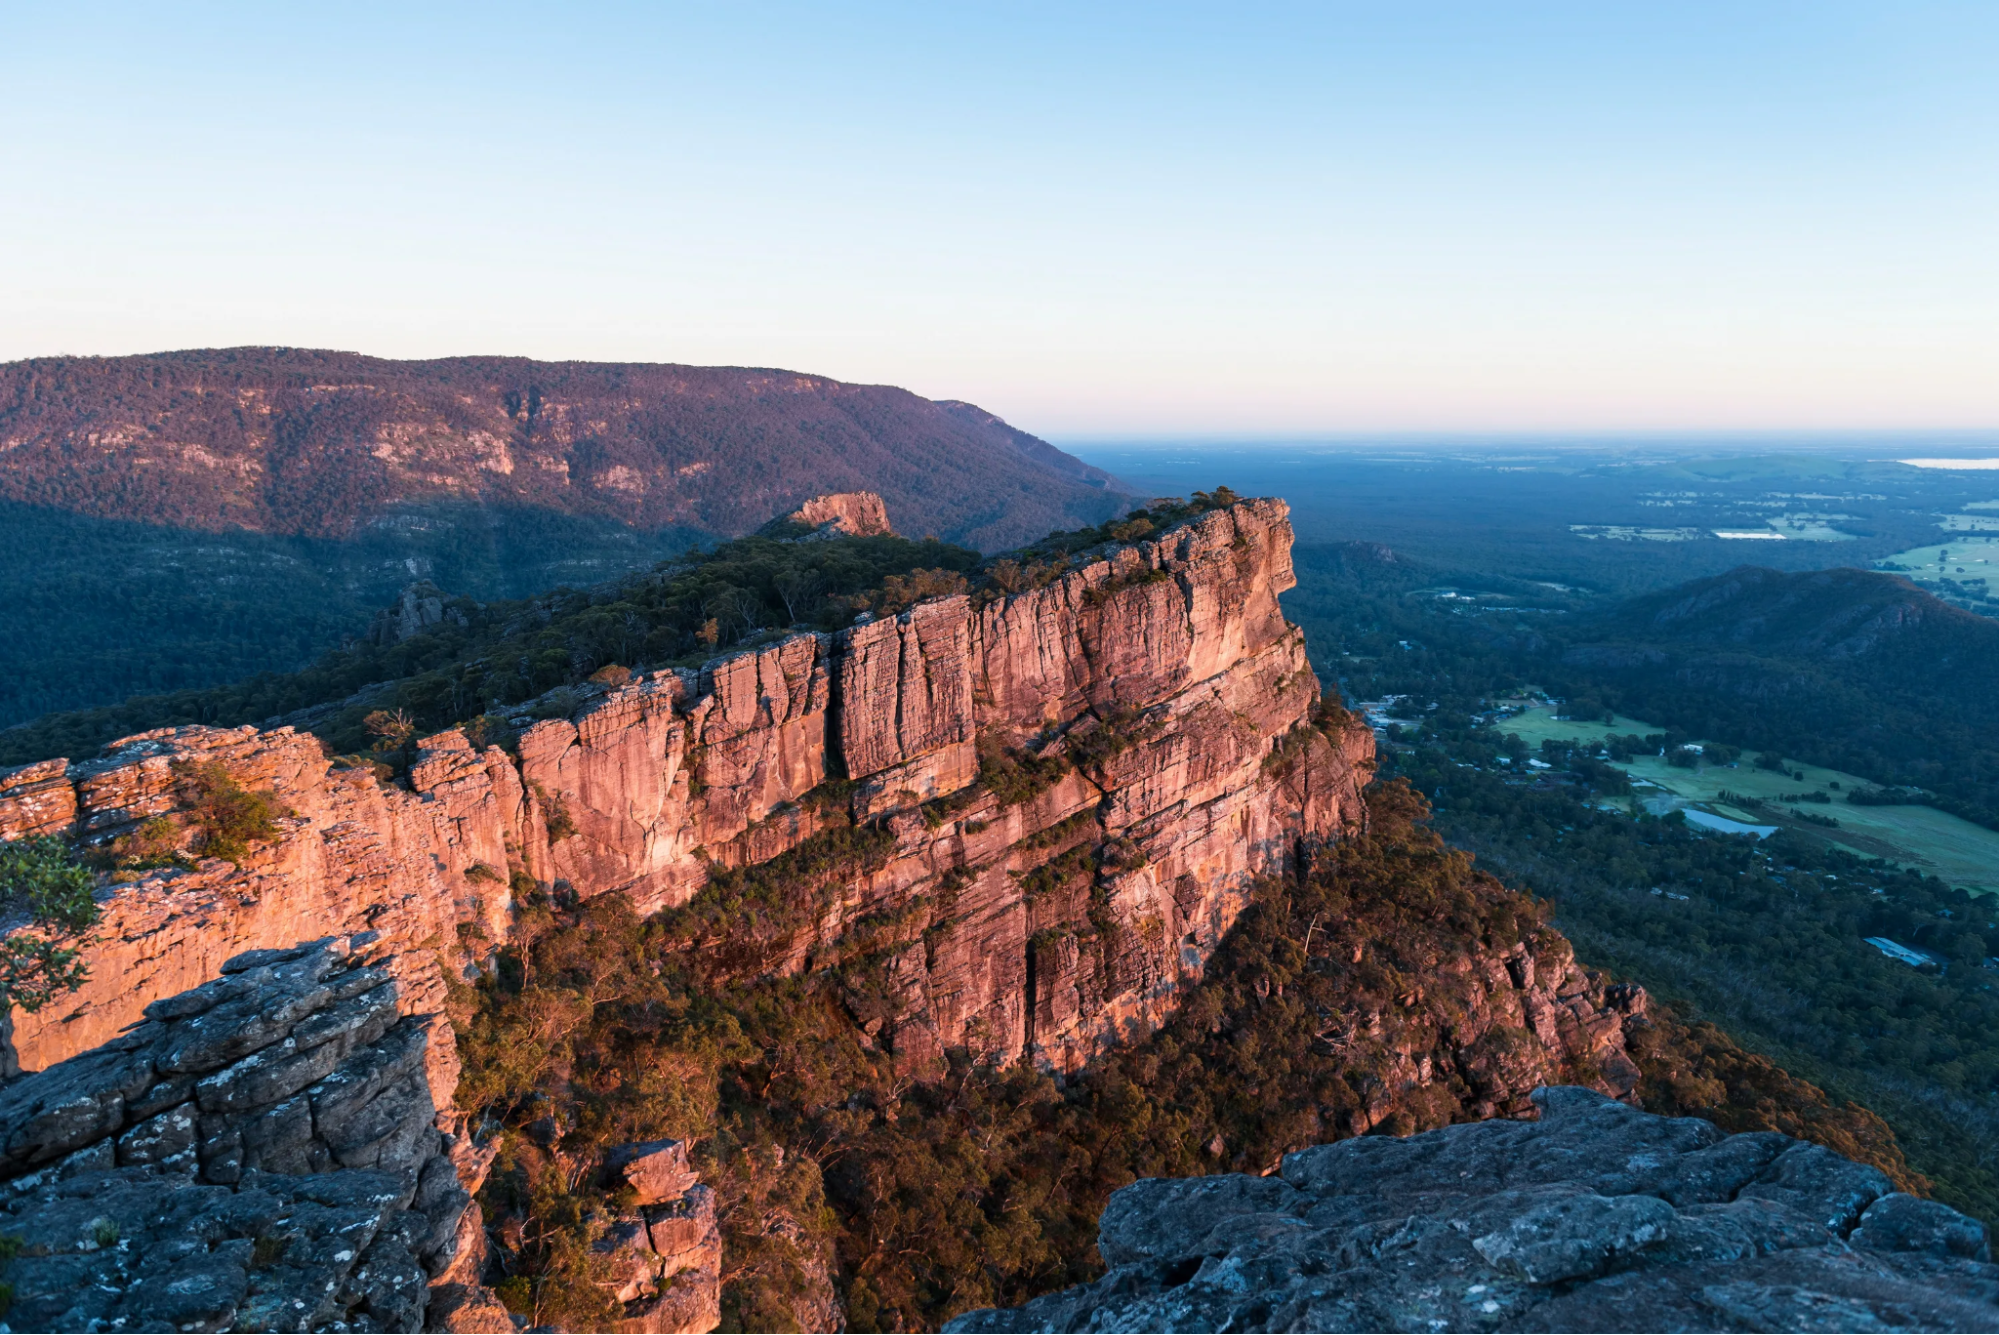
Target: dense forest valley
[[844, 1178]]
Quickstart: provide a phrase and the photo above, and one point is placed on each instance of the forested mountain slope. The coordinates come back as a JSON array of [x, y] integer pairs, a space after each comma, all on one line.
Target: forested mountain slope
[[1766, 939], [287, 440], [1846, 668], [174, 521]]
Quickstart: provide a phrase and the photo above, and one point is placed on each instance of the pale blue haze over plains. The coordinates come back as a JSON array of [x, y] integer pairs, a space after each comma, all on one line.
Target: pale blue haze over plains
[[1094, 220]]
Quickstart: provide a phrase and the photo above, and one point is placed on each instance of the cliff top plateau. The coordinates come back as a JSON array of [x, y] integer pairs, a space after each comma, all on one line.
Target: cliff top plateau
[[443, 659], [298, 441], [1596, 1217]]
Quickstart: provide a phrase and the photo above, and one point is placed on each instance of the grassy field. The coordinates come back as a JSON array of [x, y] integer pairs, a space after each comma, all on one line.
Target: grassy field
[[1942, 845], [1970, 556]]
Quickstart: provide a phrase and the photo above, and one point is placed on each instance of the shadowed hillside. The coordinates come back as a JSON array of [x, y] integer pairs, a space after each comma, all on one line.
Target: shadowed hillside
[[1845, 668], [284, 440]]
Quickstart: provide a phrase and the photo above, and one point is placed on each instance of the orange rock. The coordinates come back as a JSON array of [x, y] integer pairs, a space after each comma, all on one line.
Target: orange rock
[[860, 513], [1177, 646]]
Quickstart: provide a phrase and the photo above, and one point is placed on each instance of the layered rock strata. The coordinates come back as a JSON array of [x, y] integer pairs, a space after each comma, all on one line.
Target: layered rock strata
[[1595, 1217], [273, 1150], [1045, 922]]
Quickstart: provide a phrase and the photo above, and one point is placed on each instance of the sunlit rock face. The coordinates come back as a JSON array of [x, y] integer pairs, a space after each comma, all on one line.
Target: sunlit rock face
[[860, 514], [1048, 922], [1595, 1217]]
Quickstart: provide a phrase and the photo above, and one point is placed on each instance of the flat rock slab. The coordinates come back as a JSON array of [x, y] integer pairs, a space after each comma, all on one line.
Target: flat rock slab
[[1597, 1217]]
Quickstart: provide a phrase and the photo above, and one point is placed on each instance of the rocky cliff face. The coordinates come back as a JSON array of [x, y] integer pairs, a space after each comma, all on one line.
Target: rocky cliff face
[[858, 514], [262, 1152], [1038, 813], [1159, 691], [1594, 1217]]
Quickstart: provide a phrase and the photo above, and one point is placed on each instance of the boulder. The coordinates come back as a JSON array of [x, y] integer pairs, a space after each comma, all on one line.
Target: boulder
[[858, 514], [260, 1152], [655, 1170]]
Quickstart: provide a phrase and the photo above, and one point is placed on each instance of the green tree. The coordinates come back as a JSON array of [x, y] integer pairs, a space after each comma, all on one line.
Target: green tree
[[41, 880]]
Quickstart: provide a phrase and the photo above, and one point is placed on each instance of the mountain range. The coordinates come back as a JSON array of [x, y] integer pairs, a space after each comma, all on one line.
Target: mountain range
[[300, 441]]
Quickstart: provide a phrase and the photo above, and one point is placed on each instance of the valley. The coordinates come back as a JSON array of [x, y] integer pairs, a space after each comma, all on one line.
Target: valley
[[1912, 835]]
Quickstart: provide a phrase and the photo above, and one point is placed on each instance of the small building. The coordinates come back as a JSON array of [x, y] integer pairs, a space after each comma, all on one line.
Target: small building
[[1895, 950]]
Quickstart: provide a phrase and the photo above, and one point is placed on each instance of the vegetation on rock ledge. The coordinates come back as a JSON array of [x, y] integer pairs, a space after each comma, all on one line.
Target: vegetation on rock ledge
[[923, 1199], [48, 894]]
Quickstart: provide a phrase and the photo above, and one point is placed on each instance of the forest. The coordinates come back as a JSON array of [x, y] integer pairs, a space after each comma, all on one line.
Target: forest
[[1764, 940], [1848, 669], [106, 609]]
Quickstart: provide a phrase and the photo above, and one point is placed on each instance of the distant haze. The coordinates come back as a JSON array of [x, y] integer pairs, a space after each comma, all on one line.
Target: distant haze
[[1089, 220]]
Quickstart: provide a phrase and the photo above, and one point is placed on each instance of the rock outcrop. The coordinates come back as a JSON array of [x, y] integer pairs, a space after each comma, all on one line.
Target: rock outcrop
[[263, 1152], [421, 606], [1161, 679], [858, 514], [1595, 1217], [666, 1254]]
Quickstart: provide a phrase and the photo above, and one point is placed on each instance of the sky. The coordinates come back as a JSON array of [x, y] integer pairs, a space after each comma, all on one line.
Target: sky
[[1100, 221]]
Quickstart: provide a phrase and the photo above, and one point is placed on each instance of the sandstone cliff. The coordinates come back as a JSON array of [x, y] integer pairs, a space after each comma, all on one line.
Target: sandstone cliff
[[1160, 686], [856, 513], [1038, 812], [1594, 1217]]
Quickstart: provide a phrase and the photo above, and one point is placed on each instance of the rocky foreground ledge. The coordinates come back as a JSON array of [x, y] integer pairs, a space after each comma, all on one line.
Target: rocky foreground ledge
[[277, 1150], [1597, 1217]]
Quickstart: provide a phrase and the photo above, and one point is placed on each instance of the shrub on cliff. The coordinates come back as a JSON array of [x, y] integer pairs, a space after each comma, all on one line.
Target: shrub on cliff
[[46, 896], [229, 816], [898, 593], [1015, 774]]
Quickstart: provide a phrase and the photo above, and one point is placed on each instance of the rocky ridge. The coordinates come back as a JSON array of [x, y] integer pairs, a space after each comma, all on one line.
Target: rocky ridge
[[1167, 667], [1594, 1217]]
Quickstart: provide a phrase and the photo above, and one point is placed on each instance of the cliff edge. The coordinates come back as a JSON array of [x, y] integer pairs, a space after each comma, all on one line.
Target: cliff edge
[[1595, 1217], [1061, 794]]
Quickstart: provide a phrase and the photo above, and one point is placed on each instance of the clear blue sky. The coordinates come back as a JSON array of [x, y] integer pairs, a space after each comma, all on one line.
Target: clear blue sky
[[1093, 219]]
